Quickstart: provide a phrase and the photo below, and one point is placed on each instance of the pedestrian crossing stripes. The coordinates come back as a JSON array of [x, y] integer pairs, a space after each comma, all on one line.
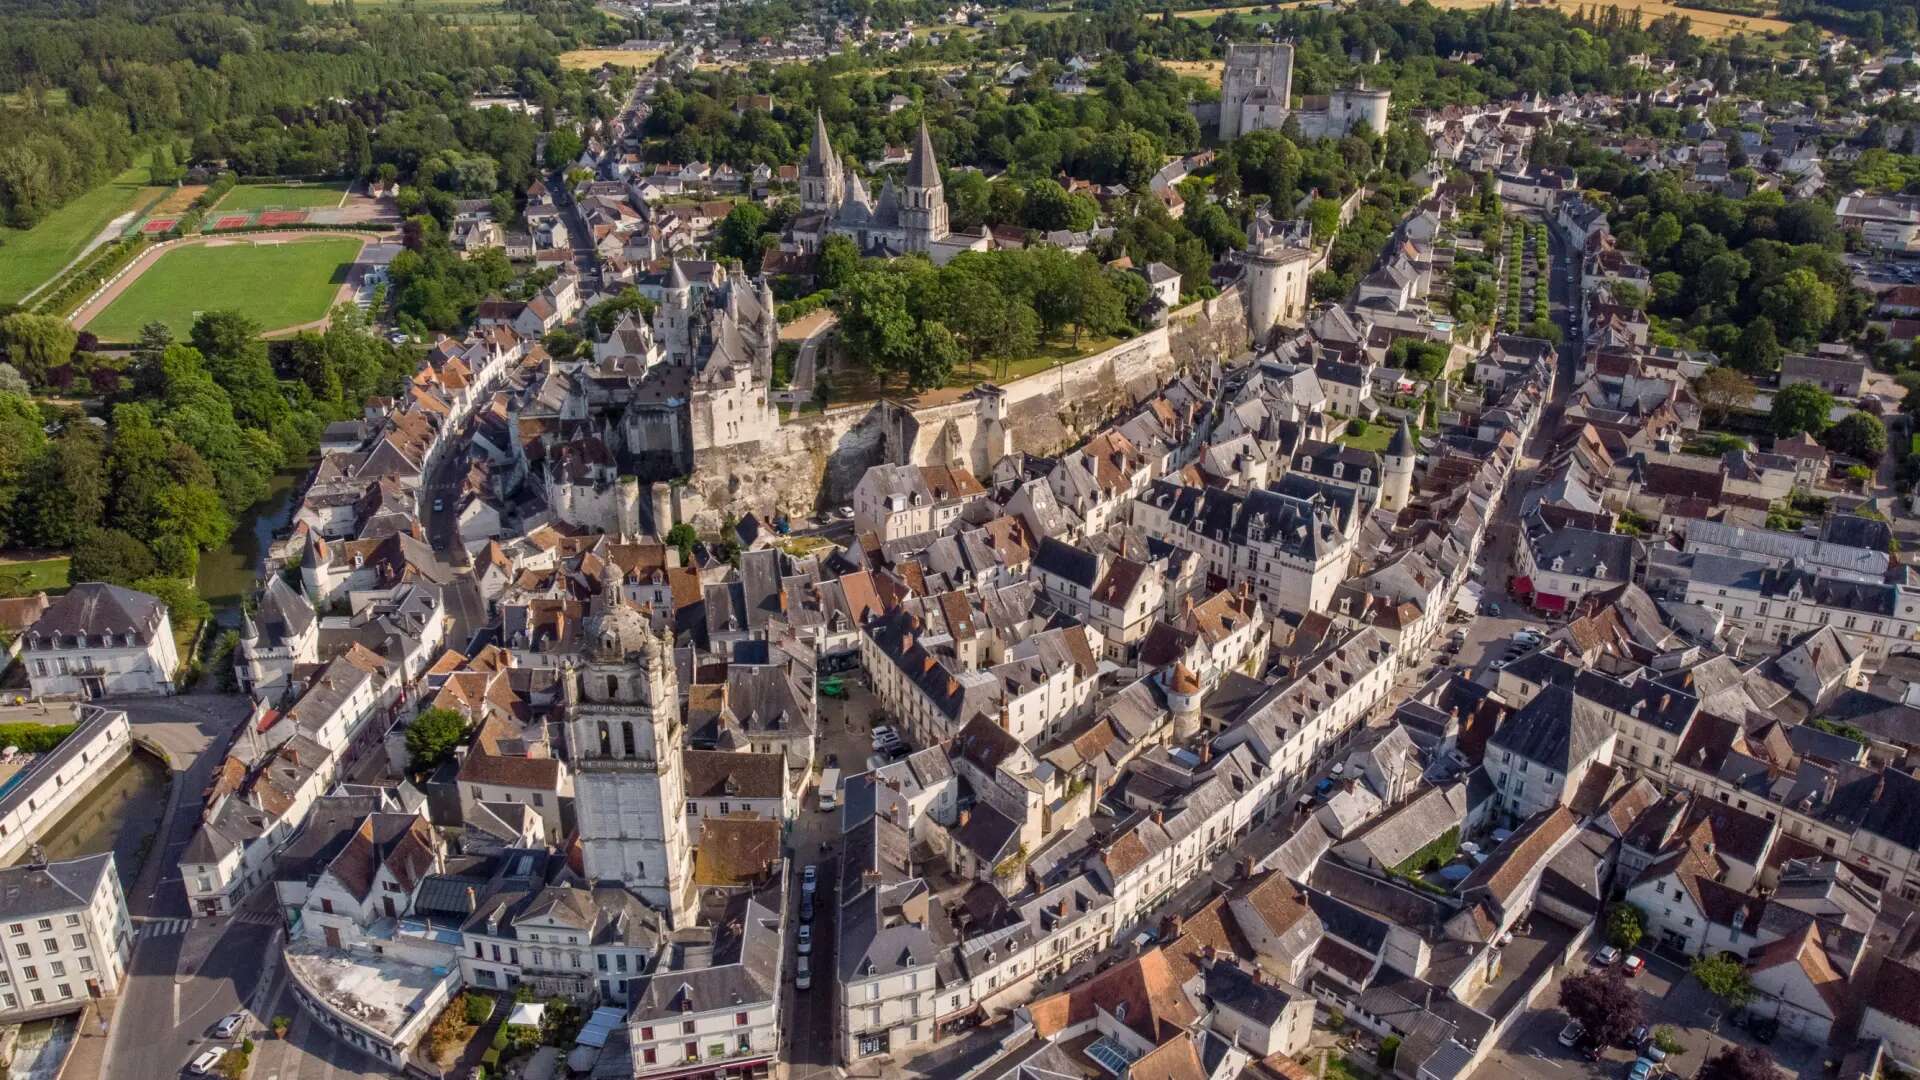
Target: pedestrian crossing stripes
[[154, 928], [258, 918]]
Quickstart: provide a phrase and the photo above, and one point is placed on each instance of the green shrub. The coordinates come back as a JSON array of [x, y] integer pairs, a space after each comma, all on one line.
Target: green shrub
[[34, 738], [479, 1008], [1389, 1049]]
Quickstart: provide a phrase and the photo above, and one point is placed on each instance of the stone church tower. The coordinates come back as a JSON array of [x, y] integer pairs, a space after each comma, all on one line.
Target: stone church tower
[[624, 740], [923, 213]]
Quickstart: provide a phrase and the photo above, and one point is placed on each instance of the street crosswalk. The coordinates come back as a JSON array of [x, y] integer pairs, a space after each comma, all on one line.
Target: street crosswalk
[[156, 928]]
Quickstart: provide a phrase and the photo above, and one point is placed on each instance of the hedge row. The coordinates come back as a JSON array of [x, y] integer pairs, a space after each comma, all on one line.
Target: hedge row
[[80, 282]]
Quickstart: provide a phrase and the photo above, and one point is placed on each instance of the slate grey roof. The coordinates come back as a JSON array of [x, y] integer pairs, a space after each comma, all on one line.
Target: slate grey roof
[[93, 608], [30, 890], [1555, 729]]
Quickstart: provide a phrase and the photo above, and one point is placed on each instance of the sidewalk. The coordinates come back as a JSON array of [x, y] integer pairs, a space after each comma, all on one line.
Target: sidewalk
[[88, 1058]]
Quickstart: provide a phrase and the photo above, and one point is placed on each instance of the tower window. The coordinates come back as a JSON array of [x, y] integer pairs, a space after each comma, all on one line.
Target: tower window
[[626, 731]]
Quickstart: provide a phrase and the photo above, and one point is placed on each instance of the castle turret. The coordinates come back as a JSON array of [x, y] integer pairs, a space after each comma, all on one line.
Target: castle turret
[[1183, 700], [673, 320], [1396, 481]]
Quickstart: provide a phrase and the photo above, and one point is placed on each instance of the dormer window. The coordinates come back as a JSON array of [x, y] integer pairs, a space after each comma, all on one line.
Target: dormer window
[[1366, 476], [1559, 563]]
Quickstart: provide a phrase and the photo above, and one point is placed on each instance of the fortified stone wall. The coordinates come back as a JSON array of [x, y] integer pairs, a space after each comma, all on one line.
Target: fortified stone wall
[[813, 462]]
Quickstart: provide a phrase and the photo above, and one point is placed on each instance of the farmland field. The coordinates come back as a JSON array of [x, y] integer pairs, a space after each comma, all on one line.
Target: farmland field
[[29, 257], [1707, 24], [592, 59], [278, 285], [246, 197], [1207, 71]]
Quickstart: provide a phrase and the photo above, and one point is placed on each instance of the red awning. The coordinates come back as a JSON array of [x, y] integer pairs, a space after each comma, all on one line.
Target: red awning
[[1522, 585], [1549, 602]]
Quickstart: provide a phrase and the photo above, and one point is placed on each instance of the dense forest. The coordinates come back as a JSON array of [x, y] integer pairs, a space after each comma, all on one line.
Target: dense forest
[[286, 88]]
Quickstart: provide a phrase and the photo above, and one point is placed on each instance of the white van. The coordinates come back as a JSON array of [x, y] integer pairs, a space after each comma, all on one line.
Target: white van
[[829, 788]]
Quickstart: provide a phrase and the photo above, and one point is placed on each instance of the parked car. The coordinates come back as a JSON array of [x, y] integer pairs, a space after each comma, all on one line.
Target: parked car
[[1325, 785], [809, 879], [1606, 957], [229, 1024], [207, 1061], [1634, 965], [806, 907], [1589, 1047], [803, 974], [1639, 1036], [804, 942], [1653, 1053], [845, 513], [884, 737], [1570, 1035], [1491, 608], [1641, 1069], [439, 504]]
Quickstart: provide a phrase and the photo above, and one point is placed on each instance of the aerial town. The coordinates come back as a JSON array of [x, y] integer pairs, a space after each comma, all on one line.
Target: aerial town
[[669, 540]]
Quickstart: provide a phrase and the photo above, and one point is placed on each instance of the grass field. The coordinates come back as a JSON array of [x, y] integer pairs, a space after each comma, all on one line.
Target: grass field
[[28, 576], [245, 197], [276, 285], [593, 59], [180, 199], [29, 257]]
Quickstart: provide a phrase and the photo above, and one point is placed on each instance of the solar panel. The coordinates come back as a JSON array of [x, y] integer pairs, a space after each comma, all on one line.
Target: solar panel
[[1111, 1056]]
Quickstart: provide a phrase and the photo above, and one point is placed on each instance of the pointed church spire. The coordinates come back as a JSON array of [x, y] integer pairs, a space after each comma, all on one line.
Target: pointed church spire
[[677, 278], [820, 158], [923, 170]]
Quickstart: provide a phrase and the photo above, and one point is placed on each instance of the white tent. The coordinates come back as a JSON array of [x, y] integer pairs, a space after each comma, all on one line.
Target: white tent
[[528, 1013]]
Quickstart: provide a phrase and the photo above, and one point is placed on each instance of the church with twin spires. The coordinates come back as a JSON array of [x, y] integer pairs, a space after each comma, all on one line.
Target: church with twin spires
[[905, 218]]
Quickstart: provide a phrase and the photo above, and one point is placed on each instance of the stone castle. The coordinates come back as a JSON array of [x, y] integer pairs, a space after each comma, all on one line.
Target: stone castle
[[1256, 94]]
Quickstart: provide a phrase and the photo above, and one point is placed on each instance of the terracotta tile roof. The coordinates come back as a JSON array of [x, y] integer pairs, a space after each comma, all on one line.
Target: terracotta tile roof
[[1154, 1004], [1175, 1059], [1805, 950], [736, 850], [1897, 992]]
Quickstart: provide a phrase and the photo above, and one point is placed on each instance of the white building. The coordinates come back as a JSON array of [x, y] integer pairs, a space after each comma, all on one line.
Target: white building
[[66, 935], [101, 640]]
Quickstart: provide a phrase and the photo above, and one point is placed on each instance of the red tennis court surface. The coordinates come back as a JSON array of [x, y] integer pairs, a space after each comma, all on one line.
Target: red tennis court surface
[[159, 225], [233, 221], [283, 217]]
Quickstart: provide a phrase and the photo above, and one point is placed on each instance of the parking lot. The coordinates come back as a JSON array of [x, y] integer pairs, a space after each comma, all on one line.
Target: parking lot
[[1670, 997]]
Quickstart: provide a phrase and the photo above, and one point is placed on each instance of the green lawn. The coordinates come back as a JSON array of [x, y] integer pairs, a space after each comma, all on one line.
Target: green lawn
[[245, 197], [276, 285], [28, 257], [1375, 438], [31, 576]]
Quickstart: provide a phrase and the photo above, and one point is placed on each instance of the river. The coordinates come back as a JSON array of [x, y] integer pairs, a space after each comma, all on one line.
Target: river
[[227, 574], [120, 813]]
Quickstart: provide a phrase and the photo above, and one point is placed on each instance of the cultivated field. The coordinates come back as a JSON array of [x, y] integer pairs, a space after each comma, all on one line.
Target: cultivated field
[[1707, 24], [246, 197], [1207, 71], [179, 199], [278, 284], [593, 59], [29, 257]]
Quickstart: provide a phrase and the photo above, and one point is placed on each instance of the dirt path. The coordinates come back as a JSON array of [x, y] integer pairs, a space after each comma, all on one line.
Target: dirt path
[[91, 310]]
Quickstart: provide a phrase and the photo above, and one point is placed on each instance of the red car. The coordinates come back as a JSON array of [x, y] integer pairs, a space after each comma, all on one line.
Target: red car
[[1634, 965]]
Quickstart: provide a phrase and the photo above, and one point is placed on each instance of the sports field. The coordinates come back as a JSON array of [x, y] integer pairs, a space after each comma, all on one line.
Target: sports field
[[29, 257], [277, 285], [245, 197]]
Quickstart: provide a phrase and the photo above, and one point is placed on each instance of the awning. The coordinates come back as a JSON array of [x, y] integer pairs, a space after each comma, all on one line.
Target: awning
[[1549, 602], [1522, 585]]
